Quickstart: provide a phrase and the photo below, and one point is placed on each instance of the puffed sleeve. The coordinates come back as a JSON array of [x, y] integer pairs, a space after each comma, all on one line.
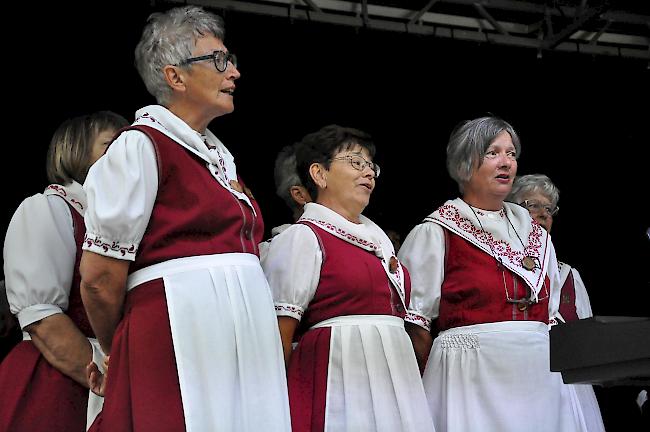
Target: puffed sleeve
[[121, 189], [39, 256], [423, 254], [553, 273], [292, 266], [583, 305]]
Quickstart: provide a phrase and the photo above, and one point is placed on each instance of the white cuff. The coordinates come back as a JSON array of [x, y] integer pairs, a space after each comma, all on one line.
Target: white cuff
[[37, 312], [114, 249], [285, 309], [419, 320]]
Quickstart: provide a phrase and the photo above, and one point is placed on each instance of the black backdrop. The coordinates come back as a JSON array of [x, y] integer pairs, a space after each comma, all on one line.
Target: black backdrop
[[582, 119]]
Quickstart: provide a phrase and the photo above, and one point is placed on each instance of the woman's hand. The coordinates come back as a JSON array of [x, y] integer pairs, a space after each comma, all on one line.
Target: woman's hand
[[97, 380]]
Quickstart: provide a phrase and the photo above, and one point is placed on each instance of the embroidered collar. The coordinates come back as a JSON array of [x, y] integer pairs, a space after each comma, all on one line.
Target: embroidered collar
[[208, 147], [365, 235], [73, 193], [494, 235]]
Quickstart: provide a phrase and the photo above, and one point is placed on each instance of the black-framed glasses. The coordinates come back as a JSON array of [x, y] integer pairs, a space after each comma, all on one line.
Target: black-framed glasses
[[360, 163], [219, 58], [537, 207]]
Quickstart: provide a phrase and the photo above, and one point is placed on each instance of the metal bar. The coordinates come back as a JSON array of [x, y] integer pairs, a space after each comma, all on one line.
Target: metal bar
[[422, 11], [364, 11], [555, 40], [312, 5], [490, 19], [437, 29], [596, 36]]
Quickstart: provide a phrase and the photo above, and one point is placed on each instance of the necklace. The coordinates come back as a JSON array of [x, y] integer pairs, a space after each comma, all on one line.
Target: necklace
[[528, 261]]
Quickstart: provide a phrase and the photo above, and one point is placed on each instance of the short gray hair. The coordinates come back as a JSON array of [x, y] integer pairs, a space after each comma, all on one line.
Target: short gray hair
[[168, 39], [533, 183], [468, 142], [285, 175]]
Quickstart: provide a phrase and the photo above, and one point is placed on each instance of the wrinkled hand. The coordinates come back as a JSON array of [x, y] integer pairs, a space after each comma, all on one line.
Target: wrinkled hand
[[97, 380]]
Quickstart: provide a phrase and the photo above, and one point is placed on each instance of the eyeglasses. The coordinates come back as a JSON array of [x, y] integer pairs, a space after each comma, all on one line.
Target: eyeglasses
[[220, 59], [537, 207], [360, 163]]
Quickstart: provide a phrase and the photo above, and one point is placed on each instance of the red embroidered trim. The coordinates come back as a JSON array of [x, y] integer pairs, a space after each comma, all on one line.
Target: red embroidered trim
[[417, 319], [151, 118], [289, 308], [115, 247], [500, 247], [333, 228], [62, 192]]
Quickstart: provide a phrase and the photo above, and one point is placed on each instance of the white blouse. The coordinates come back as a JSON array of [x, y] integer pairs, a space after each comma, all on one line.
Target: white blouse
[[293, 261], [582, 303], [292, 266], [122, 186], [423, 254], [121, 189], [39, 256]]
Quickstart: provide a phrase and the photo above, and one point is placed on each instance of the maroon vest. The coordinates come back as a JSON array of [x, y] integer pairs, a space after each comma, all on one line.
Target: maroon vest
[[76, 310], [568, 299], [352, 282], [473, 290], [193, 214]]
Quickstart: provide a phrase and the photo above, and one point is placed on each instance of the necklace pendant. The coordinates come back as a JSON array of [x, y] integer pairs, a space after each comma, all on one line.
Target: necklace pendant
[[236, 186], [528, 263], [249, 193], [522, 306], [392, 264]]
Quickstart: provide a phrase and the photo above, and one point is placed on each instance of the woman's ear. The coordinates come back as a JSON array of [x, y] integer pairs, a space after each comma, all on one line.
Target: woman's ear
[[318, 174], [300, 195], [175, 77]]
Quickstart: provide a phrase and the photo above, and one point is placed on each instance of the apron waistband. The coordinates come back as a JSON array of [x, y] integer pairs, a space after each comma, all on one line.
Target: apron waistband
[[361, 320], [180, 265]]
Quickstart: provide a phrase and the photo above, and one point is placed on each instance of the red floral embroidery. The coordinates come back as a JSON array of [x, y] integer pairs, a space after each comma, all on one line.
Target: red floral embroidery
[[114, 246], [500, 247], [151, 118], [288, 308], [60, 190], [417, 319], [334, 229]]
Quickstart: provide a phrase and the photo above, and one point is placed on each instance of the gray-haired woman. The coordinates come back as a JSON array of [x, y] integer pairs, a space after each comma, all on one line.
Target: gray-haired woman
[[171, 276], [482, 269], [538, 194]]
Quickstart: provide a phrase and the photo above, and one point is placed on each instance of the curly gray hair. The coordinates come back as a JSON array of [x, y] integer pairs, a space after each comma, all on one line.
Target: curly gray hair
[[168, 39], [531, 183]]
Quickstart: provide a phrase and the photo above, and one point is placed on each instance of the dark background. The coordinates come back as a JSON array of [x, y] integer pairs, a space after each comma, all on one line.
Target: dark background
[[582, 119]]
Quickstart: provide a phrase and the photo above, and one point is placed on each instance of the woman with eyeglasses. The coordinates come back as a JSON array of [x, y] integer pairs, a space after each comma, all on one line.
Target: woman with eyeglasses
[[340, 293], [482, 272], [170, 273], [43, 378], [538, 194]]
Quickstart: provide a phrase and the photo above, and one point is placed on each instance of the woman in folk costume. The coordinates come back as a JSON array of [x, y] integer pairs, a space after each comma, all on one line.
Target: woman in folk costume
[[170, 273], [483, 269], [43, 379], [538, 194], [340, 291]]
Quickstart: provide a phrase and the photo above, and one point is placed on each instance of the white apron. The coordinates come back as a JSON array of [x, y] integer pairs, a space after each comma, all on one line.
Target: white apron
[[226, 341], [373, 373], [499, 374]]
